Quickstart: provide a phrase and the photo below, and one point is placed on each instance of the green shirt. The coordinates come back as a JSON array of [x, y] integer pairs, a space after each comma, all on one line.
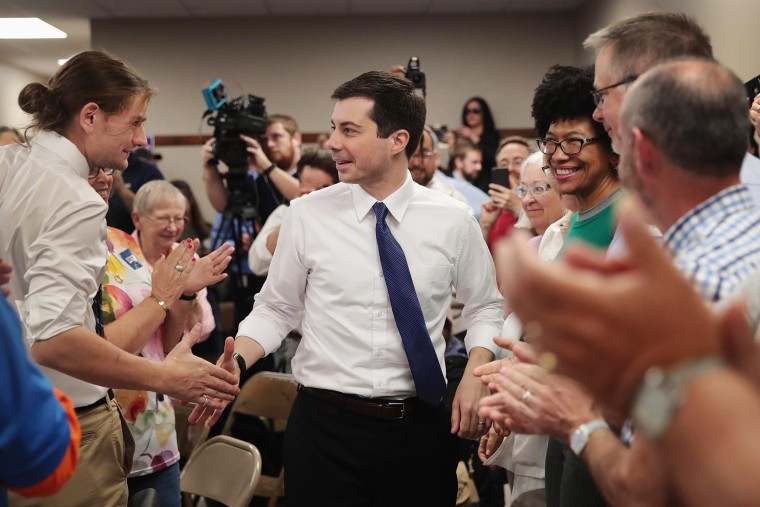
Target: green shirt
[[597, 229]]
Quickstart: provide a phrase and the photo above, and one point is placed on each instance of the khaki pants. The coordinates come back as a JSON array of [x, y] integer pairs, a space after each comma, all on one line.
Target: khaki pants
[[105, 459]]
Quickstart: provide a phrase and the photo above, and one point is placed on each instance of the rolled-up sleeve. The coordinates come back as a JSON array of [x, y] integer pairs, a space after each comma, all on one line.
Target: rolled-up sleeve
[[278, 308], [66, 263]]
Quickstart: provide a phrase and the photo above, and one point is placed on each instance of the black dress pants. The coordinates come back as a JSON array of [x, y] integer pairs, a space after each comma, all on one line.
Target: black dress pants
[[337, 458], [568, 480]]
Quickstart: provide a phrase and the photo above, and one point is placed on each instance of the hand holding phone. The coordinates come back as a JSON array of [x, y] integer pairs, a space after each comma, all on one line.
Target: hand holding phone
[[500, 176]]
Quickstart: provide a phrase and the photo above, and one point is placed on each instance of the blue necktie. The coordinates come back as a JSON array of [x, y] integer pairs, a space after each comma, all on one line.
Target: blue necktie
[[423, 361]]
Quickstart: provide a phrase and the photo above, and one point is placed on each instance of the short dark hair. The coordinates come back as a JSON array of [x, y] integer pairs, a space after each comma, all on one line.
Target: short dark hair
[[565, 94], [91, 76], [695, 111], [396, 104], [640, 42], [318, 158]]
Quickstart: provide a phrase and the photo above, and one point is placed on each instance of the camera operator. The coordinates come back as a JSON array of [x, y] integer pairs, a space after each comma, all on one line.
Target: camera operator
[[270, 167], [277, 162]]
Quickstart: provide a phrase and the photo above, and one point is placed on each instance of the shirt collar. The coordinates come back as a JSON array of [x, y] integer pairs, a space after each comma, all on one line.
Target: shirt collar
[[65, 149], [397, 203], [698, 222]]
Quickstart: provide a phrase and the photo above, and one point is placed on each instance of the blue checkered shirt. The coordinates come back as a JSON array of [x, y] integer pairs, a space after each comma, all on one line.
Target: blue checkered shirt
[[717, 244]]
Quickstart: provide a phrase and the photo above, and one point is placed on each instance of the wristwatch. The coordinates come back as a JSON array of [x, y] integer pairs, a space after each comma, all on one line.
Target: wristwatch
[[269, 169], [582, 433], [240, 361], [662, 392]]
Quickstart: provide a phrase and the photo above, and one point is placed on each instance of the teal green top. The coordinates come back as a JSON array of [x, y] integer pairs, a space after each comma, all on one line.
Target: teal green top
[[596, 226]]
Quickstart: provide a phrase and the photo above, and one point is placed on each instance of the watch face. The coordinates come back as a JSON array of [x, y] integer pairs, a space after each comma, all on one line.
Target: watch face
[[578, 441]]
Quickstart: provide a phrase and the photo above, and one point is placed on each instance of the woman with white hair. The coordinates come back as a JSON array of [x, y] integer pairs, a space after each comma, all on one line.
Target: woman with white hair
[[137, 298]]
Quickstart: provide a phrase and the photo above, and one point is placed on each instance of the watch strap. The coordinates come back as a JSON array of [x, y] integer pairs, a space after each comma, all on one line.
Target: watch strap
[[269, 169], [191, 297], [240, 361], [582, 433], [662, 392]]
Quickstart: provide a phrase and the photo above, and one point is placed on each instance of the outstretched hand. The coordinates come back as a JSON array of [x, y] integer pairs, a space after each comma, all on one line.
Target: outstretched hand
[[195, 380], [208, 414]]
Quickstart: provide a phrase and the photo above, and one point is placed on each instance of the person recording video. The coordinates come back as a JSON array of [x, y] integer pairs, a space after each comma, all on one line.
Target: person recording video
[[272, 161]]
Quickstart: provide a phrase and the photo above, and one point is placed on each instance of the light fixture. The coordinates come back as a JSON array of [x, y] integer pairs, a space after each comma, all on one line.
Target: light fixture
[[28, 28]]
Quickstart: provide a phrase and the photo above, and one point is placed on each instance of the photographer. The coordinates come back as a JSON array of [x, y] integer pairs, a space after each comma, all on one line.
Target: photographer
[[269, 184], [276, 163]]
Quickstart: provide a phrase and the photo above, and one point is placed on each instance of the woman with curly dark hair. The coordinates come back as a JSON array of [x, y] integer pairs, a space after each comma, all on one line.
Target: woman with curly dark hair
[[579, 157], [578, 151], [478, 127]]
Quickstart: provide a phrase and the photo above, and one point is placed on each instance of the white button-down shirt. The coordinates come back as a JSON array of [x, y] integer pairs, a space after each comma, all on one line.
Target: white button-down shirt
[[327, 269], [52, 231]]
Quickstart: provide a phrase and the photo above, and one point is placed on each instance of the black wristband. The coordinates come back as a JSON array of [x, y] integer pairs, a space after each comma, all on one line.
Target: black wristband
[[188, 298], [240, 361], [269, 170]]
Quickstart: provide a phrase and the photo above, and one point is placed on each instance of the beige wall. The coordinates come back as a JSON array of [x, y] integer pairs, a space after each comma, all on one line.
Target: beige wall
[[12, 82], [731, 24]]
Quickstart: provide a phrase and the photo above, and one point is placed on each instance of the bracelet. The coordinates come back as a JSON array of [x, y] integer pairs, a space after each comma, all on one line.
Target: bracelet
[[269, 169], [160, 302], [191, 297]]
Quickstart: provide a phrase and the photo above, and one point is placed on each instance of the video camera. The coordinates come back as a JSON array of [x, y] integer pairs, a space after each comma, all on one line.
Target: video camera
[[415, 75], [243, 115]]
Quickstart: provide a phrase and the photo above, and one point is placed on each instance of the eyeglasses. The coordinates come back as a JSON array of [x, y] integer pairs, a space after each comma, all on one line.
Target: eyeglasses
[[536, 190], [165, 221], [547, 169], [108, 171], [474, 110], [599, 94], [571, 146], [423, 154]]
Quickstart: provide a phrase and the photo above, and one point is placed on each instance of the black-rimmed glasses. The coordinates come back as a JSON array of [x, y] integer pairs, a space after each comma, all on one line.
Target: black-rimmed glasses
[[108, 171], [569, 146], [599, 94]]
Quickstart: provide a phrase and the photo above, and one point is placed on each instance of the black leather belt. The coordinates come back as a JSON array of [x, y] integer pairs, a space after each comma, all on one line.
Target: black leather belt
[[376, 408], [101, 401]]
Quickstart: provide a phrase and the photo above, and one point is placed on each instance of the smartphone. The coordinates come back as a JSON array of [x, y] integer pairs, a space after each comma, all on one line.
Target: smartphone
[[500, 176], [753, 88]]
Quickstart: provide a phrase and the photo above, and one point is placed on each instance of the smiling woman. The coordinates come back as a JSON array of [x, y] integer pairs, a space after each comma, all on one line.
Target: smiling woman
[[581, 163], [578, 151]]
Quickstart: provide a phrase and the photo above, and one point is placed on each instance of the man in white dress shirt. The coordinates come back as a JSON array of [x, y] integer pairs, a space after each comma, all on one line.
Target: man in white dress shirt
[[358, 434], [90, 115]]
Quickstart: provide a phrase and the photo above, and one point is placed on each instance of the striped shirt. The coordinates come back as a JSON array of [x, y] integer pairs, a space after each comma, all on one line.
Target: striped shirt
[[717, 244]]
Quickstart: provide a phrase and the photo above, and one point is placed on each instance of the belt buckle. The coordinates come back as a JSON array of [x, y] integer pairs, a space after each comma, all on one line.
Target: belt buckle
[[396, 404]]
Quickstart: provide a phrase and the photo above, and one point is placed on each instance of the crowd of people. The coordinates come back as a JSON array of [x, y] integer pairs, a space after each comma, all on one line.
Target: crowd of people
[[594, 361]]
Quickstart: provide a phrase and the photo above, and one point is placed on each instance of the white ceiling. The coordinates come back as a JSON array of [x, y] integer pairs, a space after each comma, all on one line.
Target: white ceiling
[[73, 17]]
